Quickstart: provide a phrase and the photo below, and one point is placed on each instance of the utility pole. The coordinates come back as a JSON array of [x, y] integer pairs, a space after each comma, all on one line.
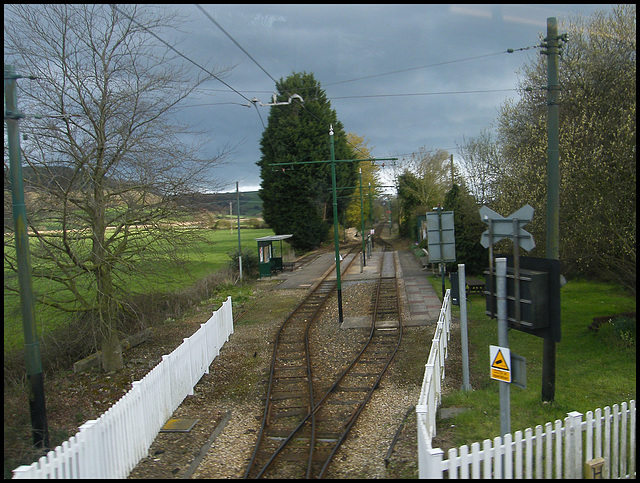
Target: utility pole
[[553, 191], [39, 427]]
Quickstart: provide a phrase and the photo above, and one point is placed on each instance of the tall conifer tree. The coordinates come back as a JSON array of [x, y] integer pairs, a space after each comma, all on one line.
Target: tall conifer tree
[[297, 199]]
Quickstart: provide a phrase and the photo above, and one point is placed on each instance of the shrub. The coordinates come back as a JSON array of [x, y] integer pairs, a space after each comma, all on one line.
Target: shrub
[[250, 263], [619, 331]]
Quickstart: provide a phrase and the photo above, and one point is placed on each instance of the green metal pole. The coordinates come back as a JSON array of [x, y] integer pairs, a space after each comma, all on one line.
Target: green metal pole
[[335, 224], [364, 256], [239, 243], [39, 428], [553, 193], [370, 208]]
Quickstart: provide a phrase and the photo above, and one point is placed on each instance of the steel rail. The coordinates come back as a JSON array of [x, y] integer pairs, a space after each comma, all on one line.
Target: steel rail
[[363, 403], [333, 389], [328, 286]]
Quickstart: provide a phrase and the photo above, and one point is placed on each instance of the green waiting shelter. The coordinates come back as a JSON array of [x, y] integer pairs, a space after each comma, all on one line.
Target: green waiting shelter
[[269, 263]]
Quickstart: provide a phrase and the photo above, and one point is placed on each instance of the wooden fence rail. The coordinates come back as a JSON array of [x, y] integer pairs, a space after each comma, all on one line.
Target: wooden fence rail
[[112, 445]]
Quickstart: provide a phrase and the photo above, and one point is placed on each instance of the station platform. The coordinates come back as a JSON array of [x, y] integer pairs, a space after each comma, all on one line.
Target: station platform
[[421, 303]]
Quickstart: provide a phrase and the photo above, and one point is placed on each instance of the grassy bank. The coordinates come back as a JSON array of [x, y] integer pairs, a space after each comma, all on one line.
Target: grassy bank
[[205, 257], [593, 370]]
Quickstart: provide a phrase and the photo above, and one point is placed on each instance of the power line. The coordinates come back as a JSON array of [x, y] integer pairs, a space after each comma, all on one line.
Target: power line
[[255, 62], [234, 41], [413, 68], [177, 52], [424, 94], [508, 51], [355, 79]]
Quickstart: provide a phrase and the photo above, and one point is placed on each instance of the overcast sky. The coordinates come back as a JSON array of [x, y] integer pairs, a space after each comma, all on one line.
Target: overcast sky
[[455, 72]]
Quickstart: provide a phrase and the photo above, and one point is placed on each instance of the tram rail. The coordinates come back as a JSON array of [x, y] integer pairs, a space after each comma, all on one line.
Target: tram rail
[[289, 390], [301, 432]]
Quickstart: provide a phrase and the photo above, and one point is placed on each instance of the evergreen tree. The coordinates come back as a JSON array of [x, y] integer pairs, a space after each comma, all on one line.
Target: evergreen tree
[[297, 199], [468, 229]]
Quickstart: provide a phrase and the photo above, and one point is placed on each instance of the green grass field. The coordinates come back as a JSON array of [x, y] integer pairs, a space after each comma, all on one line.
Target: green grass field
[[206, 257], [593, 370]]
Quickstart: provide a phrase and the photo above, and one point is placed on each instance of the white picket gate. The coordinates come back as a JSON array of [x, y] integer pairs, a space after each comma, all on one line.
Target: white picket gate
[[112, 445], [556, 451]]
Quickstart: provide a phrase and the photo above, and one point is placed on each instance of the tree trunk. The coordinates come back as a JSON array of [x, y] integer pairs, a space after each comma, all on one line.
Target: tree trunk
[[112, 353], [105, 297]]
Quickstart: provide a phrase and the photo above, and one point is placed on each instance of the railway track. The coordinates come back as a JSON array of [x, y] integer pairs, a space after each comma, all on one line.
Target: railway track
[[305, 423]]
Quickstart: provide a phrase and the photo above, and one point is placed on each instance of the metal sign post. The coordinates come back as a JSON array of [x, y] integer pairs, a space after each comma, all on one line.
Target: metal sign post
[[500, 227], [466, 386], [503, 341]]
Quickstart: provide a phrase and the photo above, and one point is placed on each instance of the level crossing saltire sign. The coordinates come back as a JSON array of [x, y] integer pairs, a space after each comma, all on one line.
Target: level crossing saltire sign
[[500, 368], [502, 227]]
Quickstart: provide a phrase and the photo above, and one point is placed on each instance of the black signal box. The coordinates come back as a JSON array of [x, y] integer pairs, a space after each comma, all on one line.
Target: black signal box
[[539, 296]]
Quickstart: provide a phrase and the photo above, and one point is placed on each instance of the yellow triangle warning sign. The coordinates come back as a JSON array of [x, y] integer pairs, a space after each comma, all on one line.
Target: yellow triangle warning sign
[[499, 362]]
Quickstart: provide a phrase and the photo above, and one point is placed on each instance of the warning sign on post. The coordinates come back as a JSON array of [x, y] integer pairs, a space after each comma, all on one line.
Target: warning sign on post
[[500, 358]]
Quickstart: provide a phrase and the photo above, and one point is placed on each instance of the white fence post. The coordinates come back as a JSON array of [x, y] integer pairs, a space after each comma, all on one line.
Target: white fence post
[[615, 453], [632, 438], [623, 439], [607, 443], [573, 433]]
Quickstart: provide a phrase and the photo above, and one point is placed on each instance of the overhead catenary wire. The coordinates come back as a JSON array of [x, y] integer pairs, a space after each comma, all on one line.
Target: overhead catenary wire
[[269, 75], [509, 51], [234, 41], [437, 64], [371, 76], [178, 52], [250, 101], [425, 94]]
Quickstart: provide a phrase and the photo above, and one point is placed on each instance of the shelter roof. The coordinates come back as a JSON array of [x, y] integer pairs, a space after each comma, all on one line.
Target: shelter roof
[[274, 237]]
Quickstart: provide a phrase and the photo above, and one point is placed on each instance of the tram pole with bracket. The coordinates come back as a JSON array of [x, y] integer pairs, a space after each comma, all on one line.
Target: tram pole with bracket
[[35, 376], [333, 162]]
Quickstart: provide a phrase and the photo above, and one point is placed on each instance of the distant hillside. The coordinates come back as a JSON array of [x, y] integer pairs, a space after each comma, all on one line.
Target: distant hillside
[[250, 202], [59, 176]]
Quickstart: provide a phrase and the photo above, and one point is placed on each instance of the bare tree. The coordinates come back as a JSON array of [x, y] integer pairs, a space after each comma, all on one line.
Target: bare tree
[[481, 166], [107, 160]]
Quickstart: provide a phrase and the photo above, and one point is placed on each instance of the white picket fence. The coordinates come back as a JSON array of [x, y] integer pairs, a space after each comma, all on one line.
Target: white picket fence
[[112, 445], [431, 391], [556, 451]]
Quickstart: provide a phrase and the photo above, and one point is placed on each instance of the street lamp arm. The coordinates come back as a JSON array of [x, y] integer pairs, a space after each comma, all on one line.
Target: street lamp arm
[[274, 102]]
